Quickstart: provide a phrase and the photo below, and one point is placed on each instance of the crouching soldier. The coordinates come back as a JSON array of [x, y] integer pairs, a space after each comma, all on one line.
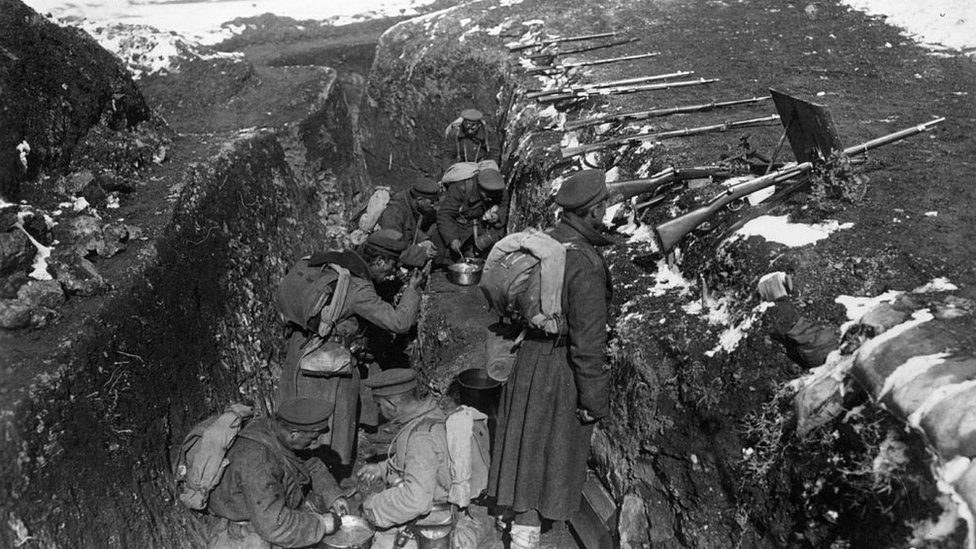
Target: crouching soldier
[[417, 469], [412, 214], [473, 213], [358, 305], [270, 497], [806, 342]]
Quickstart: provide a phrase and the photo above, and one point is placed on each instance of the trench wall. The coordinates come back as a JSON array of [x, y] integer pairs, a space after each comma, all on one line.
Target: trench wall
[[88, 448]]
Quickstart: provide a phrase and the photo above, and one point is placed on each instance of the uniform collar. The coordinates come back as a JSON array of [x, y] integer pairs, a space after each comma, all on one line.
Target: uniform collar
[[427, 406], [574, 224]]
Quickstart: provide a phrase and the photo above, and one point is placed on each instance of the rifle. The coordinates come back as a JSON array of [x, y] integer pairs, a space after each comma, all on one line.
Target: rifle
[[623, 190], [567, 66], [644, 115], [584, 94], [519, 47], [582, 50], [594, 87], [671, 232], [640, 137]]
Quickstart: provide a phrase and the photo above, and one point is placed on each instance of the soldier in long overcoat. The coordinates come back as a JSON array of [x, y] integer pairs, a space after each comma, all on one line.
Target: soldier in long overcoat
[[558, 388]]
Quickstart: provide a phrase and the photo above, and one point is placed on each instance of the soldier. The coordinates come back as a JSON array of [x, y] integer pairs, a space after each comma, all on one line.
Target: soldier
[[417, 469], [472, 214], [263, 497], [412, 214], [378, 260], [470, 143], [558, 388]]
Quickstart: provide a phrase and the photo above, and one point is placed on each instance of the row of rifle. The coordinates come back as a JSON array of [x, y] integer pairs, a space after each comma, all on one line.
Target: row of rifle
[[668, 234]]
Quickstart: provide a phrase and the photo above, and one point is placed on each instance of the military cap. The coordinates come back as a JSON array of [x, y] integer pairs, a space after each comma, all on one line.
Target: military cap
[[582, 189], [474, 115], [392, 382], [424, 187], [387, 242], [491, 180], [460, 172], [305, 414]]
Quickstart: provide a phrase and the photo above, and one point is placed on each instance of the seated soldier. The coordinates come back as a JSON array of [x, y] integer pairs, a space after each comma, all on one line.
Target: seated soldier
[[805, 342], [473, 213], [268, 496], [417, 471], [413, 215]]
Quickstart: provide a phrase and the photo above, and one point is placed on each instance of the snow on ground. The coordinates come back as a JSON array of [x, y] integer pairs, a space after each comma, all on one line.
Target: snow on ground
[[937, 24], [779, 229], [202, 21]]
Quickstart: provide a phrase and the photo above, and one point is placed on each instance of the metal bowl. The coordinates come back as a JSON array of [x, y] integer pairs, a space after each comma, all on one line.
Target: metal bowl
[[466, 273], [355, 533]]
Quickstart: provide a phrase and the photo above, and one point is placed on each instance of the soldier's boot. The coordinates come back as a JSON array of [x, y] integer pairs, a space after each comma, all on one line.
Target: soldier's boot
[[524, 537]]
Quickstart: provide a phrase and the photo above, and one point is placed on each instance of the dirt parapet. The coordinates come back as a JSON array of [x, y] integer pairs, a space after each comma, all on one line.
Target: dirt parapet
[[58, 83]]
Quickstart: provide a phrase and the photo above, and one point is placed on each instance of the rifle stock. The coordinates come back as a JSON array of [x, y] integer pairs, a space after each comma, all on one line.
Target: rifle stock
[[669, 233], [624, 190]]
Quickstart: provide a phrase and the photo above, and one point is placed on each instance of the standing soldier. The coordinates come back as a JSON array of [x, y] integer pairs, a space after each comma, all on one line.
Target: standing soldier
[[378, 261], [470, 143], [472, 215], [413, 215], [261, 498], [558, 388]]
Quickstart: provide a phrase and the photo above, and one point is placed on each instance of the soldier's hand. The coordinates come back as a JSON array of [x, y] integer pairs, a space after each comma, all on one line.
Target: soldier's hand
[[456, 246], [585, 416], [331, 521], [371, 472], [340, 506], [417, 278]]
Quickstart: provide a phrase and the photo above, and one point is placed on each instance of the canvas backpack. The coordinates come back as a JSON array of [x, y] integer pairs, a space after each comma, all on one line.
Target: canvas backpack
[[312, 299], [365, 219], [469, 453], [203, 454], [523, 279]]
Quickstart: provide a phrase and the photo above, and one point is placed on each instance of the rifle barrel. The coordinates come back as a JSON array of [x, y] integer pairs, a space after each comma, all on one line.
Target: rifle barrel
[[518, 47], [625, 90], [595, 86], [643, 115], [567, 66], [582, 149], [669, 233]]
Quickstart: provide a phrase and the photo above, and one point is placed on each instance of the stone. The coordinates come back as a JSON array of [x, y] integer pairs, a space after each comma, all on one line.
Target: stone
[[78, 229], [41, 317], [42, 293], [77, 275], [633, 526], [14, 314], [75, 182], [10, 285], [16, 252]]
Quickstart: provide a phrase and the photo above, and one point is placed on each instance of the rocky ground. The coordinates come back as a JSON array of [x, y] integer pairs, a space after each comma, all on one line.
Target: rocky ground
[[680, 434]]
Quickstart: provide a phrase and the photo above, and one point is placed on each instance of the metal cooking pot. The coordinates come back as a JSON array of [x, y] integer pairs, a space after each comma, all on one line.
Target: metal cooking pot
[[355, 533], [467, 272]]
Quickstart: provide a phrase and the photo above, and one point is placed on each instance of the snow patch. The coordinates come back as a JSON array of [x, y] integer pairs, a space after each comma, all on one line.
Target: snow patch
[[667, 279], [779, 229], [938, 24], [940, 284]]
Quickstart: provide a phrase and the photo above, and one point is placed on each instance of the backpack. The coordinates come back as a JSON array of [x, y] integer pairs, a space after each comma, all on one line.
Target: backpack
[[203, 454], [469, 451], [523, 279], [312, 298], [365, 219]]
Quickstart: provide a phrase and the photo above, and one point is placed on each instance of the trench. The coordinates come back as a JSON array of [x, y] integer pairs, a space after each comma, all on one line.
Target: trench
[[97, 436]]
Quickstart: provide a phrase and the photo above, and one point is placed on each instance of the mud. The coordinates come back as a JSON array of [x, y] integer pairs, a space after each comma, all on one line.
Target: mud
[[99, 399]]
